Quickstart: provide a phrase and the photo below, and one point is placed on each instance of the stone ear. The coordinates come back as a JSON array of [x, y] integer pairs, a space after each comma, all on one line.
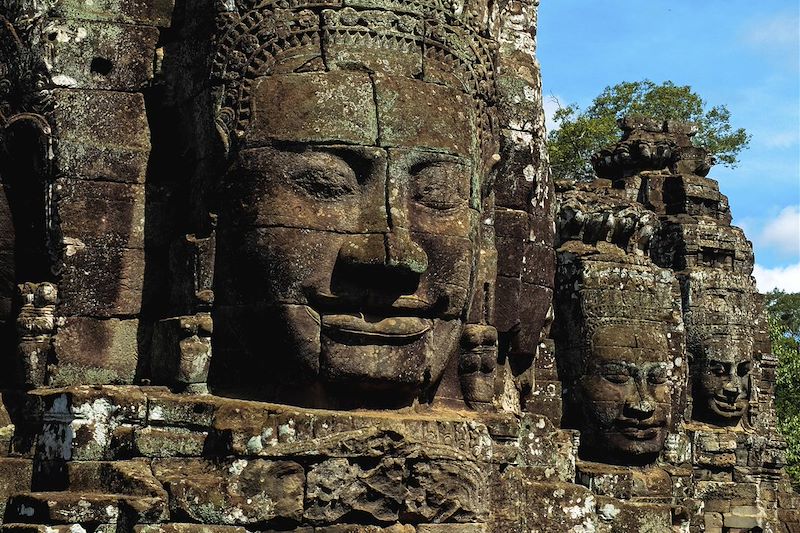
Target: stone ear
[[224, 138], [28, 133]]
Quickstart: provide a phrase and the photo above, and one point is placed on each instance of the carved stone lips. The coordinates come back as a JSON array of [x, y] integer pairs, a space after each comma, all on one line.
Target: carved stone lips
[[640, 432], [727, 407], [404, 304], [405, 327]]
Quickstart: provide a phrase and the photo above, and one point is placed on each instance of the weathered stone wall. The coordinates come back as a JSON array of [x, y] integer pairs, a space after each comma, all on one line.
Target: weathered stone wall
[[652, 204], [414, 331]]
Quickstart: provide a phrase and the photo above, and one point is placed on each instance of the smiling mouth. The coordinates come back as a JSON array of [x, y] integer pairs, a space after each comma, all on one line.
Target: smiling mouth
[[728, 408], [636, 432], [397, 329]]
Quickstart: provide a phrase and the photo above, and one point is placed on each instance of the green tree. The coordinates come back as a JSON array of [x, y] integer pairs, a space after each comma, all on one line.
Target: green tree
[[582, 132], [784, 317]]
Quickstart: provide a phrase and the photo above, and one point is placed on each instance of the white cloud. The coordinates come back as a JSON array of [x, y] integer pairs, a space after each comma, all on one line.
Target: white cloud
[[781, 139], [551, 103], [780, 30], [783, 232], [786, 278], [776, 37]]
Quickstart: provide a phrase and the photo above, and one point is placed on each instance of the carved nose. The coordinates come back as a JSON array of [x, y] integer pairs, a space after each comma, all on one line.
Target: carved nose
[[402, 252], [395, 251], [731, 391], [642, 406], [641, 409]]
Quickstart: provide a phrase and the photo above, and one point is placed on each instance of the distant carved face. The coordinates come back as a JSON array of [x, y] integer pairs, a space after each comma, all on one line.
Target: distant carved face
[[625, 393], [722, 380], [348, 231]]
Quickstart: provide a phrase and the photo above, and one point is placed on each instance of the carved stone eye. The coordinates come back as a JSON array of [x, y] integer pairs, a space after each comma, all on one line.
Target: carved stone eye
[[615, 373], [439, 185], [325, 177], [744, 368], [717, 369]]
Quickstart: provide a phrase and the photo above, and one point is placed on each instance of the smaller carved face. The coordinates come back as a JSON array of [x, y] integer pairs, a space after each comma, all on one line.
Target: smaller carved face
[[722, 380], [625, 391]]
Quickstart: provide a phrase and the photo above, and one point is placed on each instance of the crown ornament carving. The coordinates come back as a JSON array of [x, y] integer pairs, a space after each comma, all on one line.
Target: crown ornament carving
[[448, 43]]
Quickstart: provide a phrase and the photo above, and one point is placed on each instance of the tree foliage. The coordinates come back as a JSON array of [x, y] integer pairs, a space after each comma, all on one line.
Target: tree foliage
[[784, 316], [582, 132]]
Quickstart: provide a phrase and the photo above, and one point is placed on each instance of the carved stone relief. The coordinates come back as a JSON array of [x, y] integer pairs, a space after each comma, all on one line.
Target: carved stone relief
[[292, 265]]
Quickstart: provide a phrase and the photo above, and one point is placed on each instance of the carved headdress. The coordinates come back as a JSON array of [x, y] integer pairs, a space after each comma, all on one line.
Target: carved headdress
[[446, 43]]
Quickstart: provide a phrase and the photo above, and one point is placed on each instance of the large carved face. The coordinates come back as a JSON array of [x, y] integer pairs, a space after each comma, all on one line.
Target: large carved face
[[722, 380], [625, 392], [348, 234]]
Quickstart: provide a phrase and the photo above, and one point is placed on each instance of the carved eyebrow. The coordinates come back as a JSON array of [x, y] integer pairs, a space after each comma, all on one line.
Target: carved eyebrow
[[614, 367]]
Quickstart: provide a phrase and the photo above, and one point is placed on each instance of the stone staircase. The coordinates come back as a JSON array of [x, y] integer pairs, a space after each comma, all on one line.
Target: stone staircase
[[102, 496]]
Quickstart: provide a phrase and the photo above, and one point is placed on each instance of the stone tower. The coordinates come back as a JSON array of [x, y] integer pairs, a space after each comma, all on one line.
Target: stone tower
[[291, 265]]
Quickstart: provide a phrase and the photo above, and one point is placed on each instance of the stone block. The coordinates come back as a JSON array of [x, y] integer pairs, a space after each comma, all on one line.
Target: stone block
[[411, 115], [323, 107], [452, 528], [233, 492], [537, 506], [519, 95], [513, 224], [84, 54], [510, 253], [146, 12], [99, 213], [101, 135], [623, 482], [520, 171], [92, 351], [507, 294], [538, 264], [743, 522], [89, 423], [177, 410], [535, 304], [635, 516], [187, 528], [132, 478], [15, 477], [169, 442], [100, 281], [77, 507], [545, 399], [354, 528]]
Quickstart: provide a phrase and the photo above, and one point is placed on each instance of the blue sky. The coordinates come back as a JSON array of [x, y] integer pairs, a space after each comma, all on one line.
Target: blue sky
[[742, 53]]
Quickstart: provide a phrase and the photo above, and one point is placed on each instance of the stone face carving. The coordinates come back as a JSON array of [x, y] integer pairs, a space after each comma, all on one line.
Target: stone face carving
[[721, 319], [722, 378], [343, 208], [350, 223], [622, 374]]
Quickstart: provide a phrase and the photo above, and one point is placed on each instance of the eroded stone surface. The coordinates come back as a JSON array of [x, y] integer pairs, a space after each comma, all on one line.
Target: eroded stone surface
[[350, 202]]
